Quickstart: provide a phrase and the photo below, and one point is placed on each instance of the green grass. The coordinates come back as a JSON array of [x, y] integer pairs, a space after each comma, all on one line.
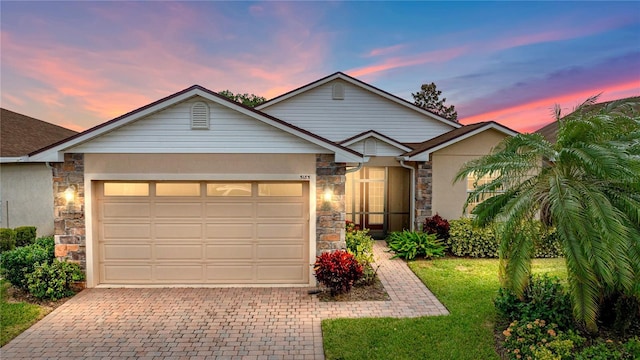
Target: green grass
[[15, 317], [466, 287]]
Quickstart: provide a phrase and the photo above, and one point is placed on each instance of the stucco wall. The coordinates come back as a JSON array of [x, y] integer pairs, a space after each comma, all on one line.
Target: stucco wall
[[447, 198], [27, 188]]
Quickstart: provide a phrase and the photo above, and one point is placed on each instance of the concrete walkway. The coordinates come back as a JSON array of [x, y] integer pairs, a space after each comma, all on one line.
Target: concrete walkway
[[210, 323]]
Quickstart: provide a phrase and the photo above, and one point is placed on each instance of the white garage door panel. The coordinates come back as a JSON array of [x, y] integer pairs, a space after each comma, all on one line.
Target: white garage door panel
[[203, 239], [126, 231], [126, 210], [125, 274], [230, 231], [183, 273], [230, 274], [178, 252], [178, 231], [280, 273], [178, 210], [281, 210], [280, 231], [227, 209], [281, 252], [230, 252], [125, 251]]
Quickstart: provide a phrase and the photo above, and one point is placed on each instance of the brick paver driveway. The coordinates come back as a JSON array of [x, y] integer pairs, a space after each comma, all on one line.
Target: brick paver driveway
[[220, 323]]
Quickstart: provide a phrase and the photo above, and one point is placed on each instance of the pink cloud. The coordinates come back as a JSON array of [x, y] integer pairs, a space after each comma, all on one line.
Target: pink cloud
[[532, 115], [436, 56], [385, 50]]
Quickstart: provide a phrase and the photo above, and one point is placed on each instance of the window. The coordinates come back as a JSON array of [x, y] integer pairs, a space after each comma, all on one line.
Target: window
[[229, 189], [280, 189], [199, 116], [473, 181], [178, 189], [126, 189]]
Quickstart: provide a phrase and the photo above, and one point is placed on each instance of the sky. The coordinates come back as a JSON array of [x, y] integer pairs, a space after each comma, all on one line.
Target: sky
[[78, 64]]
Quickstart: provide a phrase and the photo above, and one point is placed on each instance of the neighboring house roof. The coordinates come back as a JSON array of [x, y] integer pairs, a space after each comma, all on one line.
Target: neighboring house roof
[[21, 134], [55, 151], [422, 151], [356, 82], [550, 131]]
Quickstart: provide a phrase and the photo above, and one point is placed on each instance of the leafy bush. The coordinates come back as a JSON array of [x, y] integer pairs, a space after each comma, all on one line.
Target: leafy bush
[[360, 245], [437, 225], [611, 350], [17, 263], [540, 340], [338, 271], [468, 240], [7, 240], [25, 235], [409, 244], [53, 281], [465, 239], [543, 298]]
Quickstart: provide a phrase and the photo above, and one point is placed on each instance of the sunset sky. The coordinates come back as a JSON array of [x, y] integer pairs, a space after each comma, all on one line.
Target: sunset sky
[[78, 64]]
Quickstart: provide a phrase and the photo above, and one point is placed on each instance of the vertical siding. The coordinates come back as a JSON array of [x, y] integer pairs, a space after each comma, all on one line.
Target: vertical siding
[[169, 131], [361, 110]]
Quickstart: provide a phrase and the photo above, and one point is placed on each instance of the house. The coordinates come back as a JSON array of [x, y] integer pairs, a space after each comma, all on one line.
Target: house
[[26, 198], [197, 189]]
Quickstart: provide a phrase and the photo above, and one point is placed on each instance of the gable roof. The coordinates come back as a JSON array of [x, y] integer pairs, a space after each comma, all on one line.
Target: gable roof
[[54, 152], [550, 131], [422, 151], [21, 134], [377, 135], [361, 84]]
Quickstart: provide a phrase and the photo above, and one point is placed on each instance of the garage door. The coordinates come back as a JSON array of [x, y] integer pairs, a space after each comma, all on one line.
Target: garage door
[[202, 232]]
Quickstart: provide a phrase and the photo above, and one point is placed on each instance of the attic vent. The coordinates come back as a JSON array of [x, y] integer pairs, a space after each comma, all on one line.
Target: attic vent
[[370, 147], [199, 116], [338, 91]]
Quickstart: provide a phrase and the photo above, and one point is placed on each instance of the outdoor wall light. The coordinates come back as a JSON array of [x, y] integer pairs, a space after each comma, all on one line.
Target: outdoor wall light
[[328, 194], [70, 194]]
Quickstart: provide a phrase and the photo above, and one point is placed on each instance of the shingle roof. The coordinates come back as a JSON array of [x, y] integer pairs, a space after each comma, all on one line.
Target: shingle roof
[[550, 131], [21, 134], [438, 140]]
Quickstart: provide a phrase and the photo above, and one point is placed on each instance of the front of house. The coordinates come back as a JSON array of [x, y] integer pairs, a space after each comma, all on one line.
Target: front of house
[[197, 190]]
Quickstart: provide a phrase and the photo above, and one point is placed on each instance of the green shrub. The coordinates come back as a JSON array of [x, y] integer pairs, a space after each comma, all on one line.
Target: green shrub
[[25, 235], [468, 240], [539, 339], [53, 281], [360, 245], [410, 244], [338, 271], [472, 241], [7, 240], [543, 298], [17, 263]]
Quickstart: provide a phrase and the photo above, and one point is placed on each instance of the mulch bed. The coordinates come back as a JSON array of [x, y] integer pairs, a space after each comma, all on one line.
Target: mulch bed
[[360, 292]]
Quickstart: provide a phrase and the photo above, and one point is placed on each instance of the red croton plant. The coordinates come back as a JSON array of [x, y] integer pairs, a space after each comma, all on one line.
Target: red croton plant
[[338, 271]]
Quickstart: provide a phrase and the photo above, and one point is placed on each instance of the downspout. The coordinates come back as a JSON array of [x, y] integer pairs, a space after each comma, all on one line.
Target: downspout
[[412, 204], [355, 168]]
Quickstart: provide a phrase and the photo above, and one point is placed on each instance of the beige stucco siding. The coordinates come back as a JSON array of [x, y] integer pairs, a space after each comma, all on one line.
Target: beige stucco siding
[[200, 164], [449, 198], [27, 191]]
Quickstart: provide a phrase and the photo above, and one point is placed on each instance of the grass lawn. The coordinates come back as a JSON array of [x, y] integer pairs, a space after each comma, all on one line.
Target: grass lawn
[[16, 317], [466, 287]]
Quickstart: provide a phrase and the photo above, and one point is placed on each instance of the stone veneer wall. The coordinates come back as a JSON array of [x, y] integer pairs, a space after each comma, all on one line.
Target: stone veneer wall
[[69, 218], [330, 217], [424, 191]]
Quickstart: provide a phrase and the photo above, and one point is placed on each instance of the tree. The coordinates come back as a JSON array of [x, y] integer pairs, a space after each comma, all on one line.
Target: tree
[[588, 183], [428, 98], [250, 100]]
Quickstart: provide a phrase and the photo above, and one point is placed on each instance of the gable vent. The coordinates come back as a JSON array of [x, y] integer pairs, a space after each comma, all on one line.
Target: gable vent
[[199, 116], [338, 91], [370, 147]]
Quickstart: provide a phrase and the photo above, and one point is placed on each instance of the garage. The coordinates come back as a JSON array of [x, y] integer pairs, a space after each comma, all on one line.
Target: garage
[[201, 232]]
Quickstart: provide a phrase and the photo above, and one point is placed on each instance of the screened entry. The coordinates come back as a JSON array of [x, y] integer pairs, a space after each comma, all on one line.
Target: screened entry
[[377, 198]]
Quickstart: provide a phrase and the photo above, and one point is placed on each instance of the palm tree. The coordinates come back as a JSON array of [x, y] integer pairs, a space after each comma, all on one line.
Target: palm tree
[[587, 185]]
